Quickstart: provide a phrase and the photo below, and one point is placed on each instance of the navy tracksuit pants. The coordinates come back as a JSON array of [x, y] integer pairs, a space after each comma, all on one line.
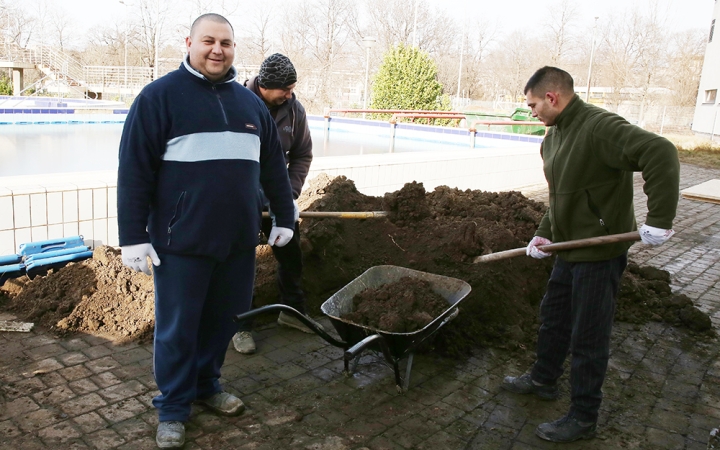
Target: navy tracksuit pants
[[196, 299], [576, 316], [289, 272]]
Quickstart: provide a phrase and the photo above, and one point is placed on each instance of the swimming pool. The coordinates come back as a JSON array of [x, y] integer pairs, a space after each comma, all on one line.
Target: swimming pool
[[35, 144]]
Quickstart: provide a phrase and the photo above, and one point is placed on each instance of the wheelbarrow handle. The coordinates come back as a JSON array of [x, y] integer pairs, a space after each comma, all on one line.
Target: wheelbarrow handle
[[559, 246], [300, 316]]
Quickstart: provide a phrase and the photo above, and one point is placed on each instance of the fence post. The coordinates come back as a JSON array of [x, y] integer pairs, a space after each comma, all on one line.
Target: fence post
[[712, 132], [326, 139], [392, 137], [662, 121]]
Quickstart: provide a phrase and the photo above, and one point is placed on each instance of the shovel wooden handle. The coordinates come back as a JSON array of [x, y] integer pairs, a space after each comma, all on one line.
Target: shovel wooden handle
[[340, 214], [567, 245]]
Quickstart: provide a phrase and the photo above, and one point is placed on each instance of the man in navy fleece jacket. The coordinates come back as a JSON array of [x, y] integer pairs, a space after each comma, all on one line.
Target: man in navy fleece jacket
[[195, 151]]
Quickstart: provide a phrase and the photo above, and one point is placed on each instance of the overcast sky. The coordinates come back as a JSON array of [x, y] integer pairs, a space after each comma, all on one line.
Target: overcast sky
[[507, 14]]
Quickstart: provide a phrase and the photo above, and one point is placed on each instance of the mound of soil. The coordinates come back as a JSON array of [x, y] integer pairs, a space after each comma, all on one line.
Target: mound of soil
[[99, 296], [403, 306], [439, 232]]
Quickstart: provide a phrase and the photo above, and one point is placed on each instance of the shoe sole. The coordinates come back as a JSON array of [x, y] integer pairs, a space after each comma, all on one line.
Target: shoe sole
[[169, 445], [245, 352], [588, 435], [236, 412], [514, 390]]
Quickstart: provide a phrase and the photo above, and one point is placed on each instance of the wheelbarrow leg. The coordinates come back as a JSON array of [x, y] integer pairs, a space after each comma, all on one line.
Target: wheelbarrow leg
[[406, 382]]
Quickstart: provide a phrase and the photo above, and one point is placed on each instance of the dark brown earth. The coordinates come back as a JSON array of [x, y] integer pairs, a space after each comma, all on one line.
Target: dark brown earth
[[439, 232], [403, 306]]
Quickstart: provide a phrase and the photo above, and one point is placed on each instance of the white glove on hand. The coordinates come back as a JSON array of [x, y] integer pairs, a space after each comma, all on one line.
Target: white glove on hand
[[280, 236], [135, 257], [654, 236], [532, 249]]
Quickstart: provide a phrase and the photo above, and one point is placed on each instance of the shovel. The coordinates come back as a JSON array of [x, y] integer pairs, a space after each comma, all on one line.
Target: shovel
[[567, 245], [339, 215]]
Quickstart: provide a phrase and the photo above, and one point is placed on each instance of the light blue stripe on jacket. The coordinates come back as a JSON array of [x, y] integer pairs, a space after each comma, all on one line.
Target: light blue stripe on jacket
[[212, 146]]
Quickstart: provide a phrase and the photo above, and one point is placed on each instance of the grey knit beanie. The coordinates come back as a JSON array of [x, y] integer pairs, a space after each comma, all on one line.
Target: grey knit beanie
[[276, 72]]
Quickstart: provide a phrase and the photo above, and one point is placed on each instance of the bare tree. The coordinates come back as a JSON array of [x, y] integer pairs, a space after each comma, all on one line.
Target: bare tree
[[471, 52], [61, 24], [396, 21], [685, 66], [562, 16], [511, 63], [315, 34]]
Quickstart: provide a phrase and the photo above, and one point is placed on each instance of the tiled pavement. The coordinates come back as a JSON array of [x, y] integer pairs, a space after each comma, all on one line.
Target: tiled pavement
[[662, 391]]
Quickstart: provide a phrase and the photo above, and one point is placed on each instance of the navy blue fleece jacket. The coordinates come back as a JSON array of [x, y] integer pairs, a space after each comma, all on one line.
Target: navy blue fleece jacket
[[193, 156]]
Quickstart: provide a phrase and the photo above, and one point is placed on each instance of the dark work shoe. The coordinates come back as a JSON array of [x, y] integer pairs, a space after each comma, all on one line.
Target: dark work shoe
[[525, 385], [566, 429]]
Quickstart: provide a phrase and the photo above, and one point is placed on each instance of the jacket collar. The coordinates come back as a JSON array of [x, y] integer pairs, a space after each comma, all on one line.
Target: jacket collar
[[567, 115], [229, 76]]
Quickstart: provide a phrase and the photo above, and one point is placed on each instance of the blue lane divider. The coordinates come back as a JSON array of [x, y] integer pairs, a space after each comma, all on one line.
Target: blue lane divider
[[34, 257], [46, 262], [32, 248], [10, 259], [54, 253]]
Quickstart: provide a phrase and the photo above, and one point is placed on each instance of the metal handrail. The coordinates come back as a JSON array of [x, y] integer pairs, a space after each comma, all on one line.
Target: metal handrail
[[385, 111], [414, 116], [475, 123]]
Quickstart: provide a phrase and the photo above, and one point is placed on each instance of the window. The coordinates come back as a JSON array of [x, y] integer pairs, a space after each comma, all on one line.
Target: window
[[712, 30], [710, 96]]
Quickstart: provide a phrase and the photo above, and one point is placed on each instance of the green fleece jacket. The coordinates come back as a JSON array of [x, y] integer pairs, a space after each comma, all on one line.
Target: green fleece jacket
[[589, 157]]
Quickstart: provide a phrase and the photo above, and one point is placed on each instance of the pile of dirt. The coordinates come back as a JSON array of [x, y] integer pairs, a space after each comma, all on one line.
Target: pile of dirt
[[645, 295], [439, 232], [403, 306], [99, 296]]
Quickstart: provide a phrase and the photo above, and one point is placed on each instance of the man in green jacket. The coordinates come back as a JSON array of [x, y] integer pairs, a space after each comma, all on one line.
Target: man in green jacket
[[589, 156]]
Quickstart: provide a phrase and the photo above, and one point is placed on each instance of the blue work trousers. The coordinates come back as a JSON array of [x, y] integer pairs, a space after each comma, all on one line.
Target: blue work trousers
[[576, 316], [196, 299]]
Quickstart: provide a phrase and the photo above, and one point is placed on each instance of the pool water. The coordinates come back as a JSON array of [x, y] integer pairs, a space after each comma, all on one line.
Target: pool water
[[33, 149]]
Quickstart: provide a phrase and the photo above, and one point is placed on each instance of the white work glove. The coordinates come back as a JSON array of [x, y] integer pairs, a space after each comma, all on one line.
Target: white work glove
[[280, 236], [135, 257], [532, 249], [296, 213], [654, 236]]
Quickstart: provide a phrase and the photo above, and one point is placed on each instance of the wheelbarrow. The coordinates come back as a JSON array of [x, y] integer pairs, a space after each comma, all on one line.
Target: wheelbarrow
[[355, 338]]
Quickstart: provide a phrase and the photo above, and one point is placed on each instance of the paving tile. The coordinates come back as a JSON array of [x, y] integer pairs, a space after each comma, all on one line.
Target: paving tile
[[105, 439], [90, 422]]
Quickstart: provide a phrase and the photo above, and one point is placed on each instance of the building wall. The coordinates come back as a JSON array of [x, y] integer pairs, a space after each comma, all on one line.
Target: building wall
[[705, 120]]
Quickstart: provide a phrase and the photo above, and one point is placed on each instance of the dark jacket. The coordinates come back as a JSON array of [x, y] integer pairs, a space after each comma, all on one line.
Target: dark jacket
[[295, 138], [589, 157], [193, 156]]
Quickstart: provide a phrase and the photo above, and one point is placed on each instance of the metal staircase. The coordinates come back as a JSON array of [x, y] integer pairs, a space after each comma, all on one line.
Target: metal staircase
[[57, 67]]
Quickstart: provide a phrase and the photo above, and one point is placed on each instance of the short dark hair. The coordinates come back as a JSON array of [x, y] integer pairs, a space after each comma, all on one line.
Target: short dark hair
[[212, 17], [549, 79]]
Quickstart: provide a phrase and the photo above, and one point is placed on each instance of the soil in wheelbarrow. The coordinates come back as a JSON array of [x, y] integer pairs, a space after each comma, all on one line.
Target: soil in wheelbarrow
[[439, 232], [406, 305]]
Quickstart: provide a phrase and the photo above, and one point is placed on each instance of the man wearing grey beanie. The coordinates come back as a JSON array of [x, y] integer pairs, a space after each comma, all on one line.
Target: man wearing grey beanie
[[274, 84]]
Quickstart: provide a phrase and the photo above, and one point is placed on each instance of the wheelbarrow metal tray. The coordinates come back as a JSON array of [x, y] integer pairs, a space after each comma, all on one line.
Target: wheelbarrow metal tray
[[451, 289]]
